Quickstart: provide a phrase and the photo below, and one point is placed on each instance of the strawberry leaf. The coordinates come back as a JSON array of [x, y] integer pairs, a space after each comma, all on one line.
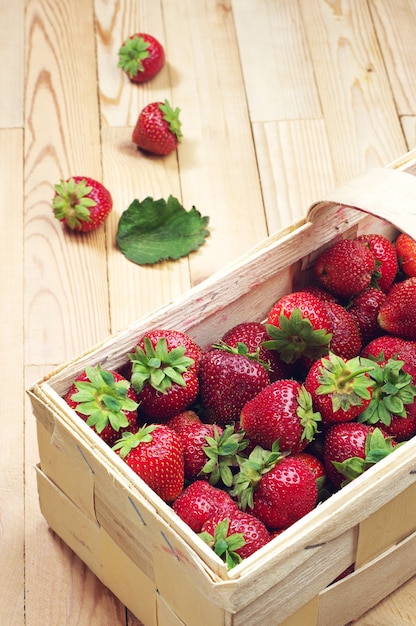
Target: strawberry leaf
[[157, 230]]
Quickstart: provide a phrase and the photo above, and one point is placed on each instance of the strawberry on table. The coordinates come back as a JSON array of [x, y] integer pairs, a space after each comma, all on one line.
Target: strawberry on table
[[158, 128], [164, 373], [397, 314], [155, 454], [81, 203], [384, 252], [199, 501], [105, 400], [141, 57], [406, 253]]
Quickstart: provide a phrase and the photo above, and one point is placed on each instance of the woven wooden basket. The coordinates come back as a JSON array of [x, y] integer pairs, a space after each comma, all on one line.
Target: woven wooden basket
[[135, 543]]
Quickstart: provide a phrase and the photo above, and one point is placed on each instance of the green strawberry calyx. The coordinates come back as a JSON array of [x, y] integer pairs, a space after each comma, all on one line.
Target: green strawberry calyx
[[103, 399], [171, 116], [393, 390], [242, 350], [252, 469], [347, 382], [308, 417], [295, 336], [72, 202], [129, 441], [225, 546], [159, 366], [131, 55], [222, 451], [377, 447]]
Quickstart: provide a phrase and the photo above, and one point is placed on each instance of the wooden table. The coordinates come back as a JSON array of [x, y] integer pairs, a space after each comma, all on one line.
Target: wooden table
[[281, 101]]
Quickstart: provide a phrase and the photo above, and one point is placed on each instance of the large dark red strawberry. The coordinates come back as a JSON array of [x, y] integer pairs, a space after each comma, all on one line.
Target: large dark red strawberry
[[298, 325], [228, 378], [81, 203], [164, 373], [346, 268], [364, 308], [384, 252], [155, 454], [340, 388], [281, 411], [397, 314], [199, 501], [141, 57], [105, 400], [158, 128]]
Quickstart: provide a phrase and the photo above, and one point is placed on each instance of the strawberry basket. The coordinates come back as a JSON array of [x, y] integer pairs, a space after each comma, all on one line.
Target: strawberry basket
[[134, 542]]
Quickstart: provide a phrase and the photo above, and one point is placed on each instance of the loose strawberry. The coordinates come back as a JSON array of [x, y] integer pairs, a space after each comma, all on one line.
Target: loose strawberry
[[158, 128], [282, 411], [346, 337], [386, 259], [340, 388], [234, 537], [397, 314], [199, 501], [298, 325], [141, 57], [228, 378], [105, 400], [346, 268], [364, 308], [155, 454], [406, 253], [81, 203], [164, 374]]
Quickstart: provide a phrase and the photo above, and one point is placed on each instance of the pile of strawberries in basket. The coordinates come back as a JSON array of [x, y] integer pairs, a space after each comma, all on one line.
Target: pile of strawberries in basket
[[246, 436]]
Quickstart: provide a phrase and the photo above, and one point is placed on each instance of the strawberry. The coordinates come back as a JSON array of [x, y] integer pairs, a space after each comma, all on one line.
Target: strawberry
[[234, 537], [384, 252], [164, 374], [141, 57], [364, 308], [281, 411], [81, 203], [298, 325], [155, 454], [340, 388], [346, 268], [406, 253], [199, 501], [252, 335], [352, 448], [401, 428], [158, 128], [346, 337], [193, 438], [228, 378], [105, 400], [178, 421], [397, 314]]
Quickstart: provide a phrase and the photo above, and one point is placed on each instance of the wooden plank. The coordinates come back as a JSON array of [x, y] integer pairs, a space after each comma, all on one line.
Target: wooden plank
[[360, 114], [278, 71], [217, 161], [12, 56], [66, 276], [11, 400]]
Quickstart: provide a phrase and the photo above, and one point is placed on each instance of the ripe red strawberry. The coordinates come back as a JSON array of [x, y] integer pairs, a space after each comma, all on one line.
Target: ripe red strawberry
[[352, 448], [252, 335], [298, 325], [386, 259], [229, 378], [141, 56], [178, 421], [199, 501], [346, 337], [193, 438], [222, 534], [105, 400], [340, 388], [406, 253], [346, 268], [401, 428], [386, 347], [158, 128], [155, 454], [397, 314], [282, 411], [315, 465], [364, 308], [164, 374], [81, 203]]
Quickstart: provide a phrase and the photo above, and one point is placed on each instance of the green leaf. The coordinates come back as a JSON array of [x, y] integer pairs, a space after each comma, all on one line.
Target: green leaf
[[157, 230]]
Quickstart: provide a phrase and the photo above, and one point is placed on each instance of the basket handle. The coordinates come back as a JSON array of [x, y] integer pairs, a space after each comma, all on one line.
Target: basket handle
[[387, 193]]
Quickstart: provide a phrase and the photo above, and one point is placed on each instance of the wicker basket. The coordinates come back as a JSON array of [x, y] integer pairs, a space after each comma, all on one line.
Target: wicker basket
[[137, 545]]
